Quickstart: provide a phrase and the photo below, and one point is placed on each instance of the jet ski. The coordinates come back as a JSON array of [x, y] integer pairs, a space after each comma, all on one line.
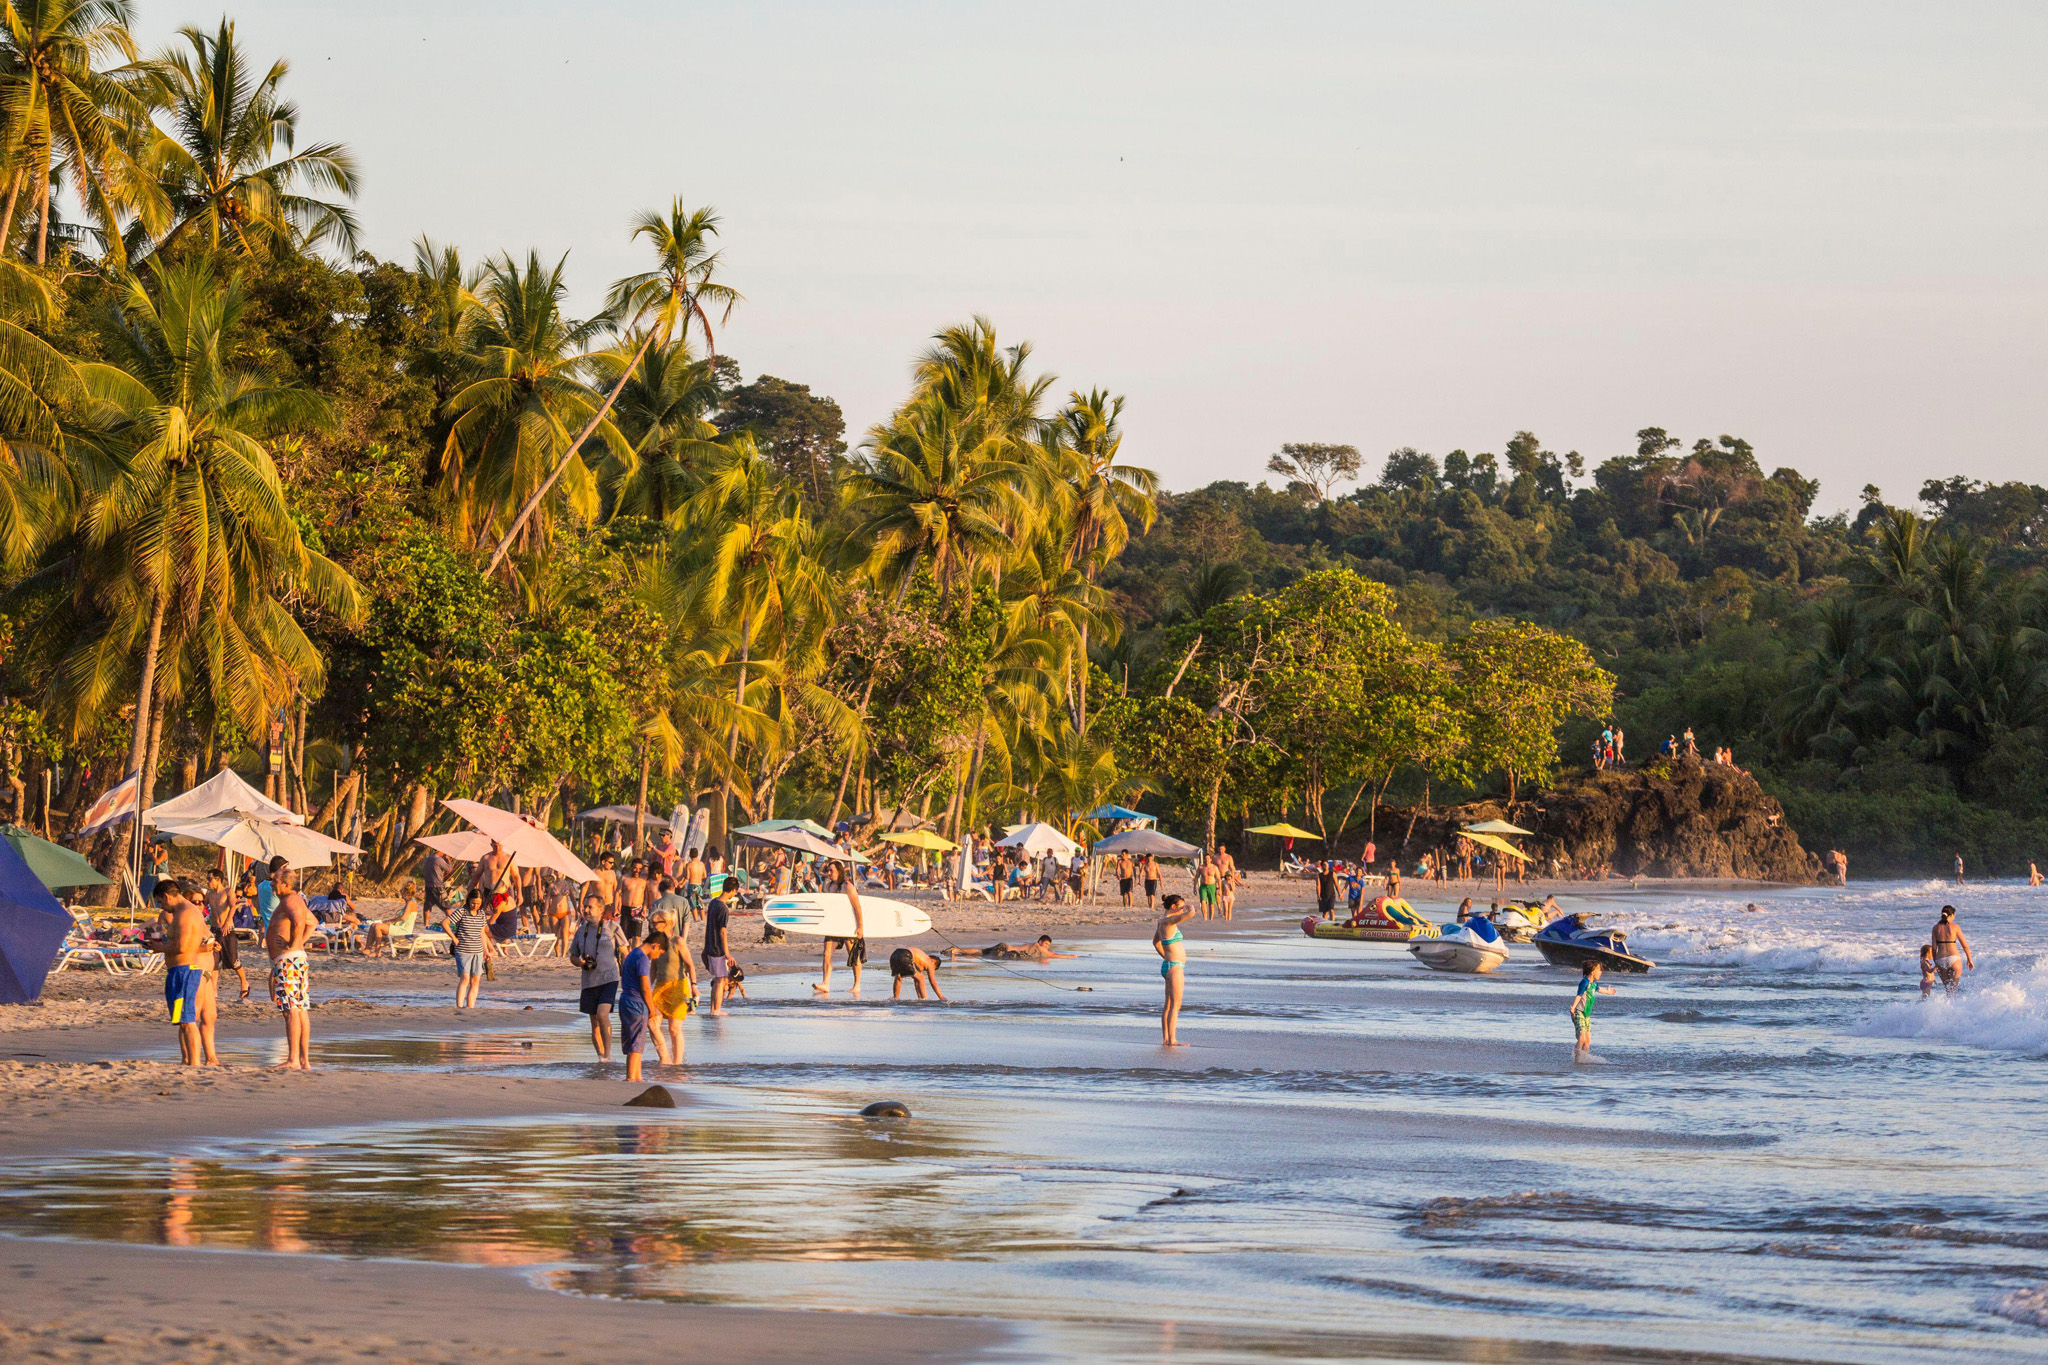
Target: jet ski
[[1473, 946], [1568, 941], [1517, 923]]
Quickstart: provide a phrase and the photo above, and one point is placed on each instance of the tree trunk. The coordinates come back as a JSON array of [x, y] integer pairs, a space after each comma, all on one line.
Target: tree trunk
[[721, 821], [526, 509], [43, 227], [640, 802], [7, 217], [344, 789], [1215, 796], [302, 800], [139, 744]]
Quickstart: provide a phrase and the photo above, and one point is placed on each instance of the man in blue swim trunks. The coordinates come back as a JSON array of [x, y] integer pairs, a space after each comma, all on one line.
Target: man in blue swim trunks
[[188, 953]]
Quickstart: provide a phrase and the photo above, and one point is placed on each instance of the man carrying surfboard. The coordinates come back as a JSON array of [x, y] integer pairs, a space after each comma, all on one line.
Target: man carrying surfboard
[[838, 881]]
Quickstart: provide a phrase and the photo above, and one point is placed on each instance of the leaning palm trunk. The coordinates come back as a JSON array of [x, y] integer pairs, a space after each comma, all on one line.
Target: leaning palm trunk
[[533, 499], [723, 824], [138, 746], [640, 802]]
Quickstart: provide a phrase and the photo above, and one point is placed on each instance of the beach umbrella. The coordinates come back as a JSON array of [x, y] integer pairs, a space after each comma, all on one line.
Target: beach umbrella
[[1118, 813], [1039, 837], [620, 815], [529, 844], [463, 845], [1286, 831], [1146, 841], [1496, 827], [920, 838], [1497, 843], [33, 927], [255, 837], [803, 841], [774, 826], [53, 864], [221, 794]]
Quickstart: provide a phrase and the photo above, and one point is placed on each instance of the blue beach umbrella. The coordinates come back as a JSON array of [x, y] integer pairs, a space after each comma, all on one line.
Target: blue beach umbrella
[[32, 929], [1117, 813]]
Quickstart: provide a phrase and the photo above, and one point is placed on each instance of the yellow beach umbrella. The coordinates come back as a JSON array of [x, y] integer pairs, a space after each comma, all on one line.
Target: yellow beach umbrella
[[1285, 830], [920, 838], [1494, 841]]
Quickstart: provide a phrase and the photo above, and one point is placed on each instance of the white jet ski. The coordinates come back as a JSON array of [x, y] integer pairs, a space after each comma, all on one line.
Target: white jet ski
[[1474, 946], [1517, 923]]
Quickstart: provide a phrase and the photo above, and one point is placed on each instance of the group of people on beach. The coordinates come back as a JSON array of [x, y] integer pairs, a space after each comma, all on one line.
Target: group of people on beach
[[199, 941]]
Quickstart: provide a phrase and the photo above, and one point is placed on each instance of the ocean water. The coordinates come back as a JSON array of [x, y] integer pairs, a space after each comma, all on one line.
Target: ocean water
[[1781, 1150]]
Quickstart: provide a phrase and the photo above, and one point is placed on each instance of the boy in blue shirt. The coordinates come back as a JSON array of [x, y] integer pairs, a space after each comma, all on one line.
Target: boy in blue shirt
[[636, 998]]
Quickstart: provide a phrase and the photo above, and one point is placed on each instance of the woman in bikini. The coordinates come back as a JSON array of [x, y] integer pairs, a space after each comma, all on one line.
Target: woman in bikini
[[1173, 961]]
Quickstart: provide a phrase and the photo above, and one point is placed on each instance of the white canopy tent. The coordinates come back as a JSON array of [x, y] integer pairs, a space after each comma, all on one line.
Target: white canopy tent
[[222, 794], [1039, 837]]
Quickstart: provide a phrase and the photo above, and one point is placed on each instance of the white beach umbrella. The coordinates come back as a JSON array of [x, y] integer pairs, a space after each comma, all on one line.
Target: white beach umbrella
[[255, 837]]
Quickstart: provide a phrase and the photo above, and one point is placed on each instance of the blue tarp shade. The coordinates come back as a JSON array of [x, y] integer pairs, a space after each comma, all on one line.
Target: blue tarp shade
[[32, 929], [1117, 813]]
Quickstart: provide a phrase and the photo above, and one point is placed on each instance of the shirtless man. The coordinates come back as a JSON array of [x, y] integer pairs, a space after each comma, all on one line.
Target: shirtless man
[[633, 901], [291, 976], [501, 881], [608, 881], [188, 960], [220, 912], [1040, 951], [1951, 950], [919, 966]]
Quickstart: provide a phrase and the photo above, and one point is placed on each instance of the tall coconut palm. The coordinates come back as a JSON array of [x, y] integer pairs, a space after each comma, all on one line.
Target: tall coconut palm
[[660, 303], [518, 415], [39, 389], [72, 99], [1102, 497], [747, 559], [190, 549], [223, 174], [661, 413]]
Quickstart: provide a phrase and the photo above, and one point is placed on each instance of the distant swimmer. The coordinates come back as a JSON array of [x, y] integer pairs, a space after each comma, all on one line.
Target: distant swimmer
[[1753, 908], [1951, 950], [1582, 1007], [1039, 951], [1959, 869], [2033, 875]]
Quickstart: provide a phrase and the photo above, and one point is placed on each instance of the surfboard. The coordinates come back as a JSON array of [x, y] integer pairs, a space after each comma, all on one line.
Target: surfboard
[[831, 915]]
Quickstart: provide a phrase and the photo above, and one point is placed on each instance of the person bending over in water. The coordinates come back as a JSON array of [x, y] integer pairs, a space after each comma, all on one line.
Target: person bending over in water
[[1582, 1007], [919, 966], [1951, 950], [1173, 961], [1036, 952]]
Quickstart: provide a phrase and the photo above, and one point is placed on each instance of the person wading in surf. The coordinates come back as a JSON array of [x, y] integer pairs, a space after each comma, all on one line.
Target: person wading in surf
[[1951, 950]]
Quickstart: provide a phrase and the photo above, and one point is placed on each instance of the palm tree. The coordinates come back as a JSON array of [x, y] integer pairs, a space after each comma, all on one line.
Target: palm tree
[[190, 549], [659, 303], [661, 413], [1102, 496], [221, 168], [525, 396], [63, 113], [39, 389], [746, 559]]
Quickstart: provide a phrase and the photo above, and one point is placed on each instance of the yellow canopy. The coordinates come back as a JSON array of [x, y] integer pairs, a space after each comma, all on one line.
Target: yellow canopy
[[920, 838], [1287, 830], [1494, 841]]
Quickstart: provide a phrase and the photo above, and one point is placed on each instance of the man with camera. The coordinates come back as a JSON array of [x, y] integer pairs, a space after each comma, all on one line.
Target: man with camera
[[596, 950]]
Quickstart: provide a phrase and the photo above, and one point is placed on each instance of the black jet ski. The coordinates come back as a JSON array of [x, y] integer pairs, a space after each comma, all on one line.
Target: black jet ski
[[1569, 941]]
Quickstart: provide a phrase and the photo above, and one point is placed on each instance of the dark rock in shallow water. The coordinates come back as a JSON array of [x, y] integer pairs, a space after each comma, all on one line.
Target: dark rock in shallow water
[[886, 1109], [653, 1097], [771, 934]]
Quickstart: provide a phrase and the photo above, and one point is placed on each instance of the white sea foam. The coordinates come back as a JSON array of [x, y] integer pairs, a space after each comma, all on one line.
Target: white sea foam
[[2021, 1305], [2009, 1014]]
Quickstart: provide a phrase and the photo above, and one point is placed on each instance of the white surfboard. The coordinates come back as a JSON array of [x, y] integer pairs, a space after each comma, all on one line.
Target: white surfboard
[[830, 914]]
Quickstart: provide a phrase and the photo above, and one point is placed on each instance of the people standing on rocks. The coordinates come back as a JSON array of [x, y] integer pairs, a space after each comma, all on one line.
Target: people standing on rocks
[[1951, 950], [1620, 753], [291, 975], [1692, 746]]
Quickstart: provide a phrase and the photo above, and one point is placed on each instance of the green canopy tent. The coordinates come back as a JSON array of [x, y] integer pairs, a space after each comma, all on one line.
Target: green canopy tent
[[54, 865]]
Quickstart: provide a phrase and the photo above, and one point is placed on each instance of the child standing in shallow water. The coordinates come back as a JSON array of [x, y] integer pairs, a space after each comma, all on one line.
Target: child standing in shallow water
[[1582, 1007], [1926, 970]]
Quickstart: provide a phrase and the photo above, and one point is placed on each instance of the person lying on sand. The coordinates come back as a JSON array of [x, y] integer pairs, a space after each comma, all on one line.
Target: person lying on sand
[[1039, 951]]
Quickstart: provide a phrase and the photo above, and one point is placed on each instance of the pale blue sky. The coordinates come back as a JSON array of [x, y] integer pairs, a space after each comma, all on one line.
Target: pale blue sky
[[1820, 226]]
